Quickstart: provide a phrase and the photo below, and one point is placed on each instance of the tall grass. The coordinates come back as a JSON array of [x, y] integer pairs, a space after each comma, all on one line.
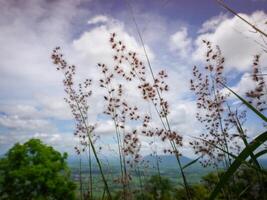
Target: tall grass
[[77, 100], [255, 144], [223, 123], [203, 86]]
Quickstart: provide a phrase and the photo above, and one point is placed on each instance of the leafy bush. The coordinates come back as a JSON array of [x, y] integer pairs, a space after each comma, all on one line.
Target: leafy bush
[[34, 170]]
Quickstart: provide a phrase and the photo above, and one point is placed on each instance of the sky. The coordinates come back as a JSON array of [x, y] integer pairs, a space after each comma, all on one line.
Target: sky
[[31, 91]]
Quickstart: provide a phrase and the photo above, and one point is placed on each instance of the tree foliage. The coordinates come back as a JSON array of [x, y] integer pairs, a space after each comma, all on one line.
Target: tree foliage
[[34, 170], [244, 185]]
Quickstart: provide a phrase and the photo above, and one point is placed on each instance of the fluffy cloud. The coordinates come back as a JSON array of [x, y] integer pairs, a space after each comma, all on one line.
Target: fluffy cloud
[[29, 31], [180, 42], [62, 142], [98, 19], [16, 123], [245, 84], [14, 128], [31, 46], [38, 103], [53, 107], [25, 111], [238, 41], [211, 24], [32, 102], [43, 106], [93, 46]]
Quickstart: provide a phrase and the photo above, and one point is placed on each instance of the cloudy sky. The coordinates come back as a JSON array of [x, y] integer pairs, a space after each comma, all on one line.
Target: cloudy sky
[[31, 91]]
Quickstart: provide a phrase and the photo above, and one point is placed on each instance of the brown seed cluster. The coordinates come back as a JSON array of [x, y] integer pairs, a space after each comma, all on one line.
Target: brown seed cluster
[[207, 89], [212, 105], [132, 147], [258, 96], [77, 99], [128, 66], [117, 105]]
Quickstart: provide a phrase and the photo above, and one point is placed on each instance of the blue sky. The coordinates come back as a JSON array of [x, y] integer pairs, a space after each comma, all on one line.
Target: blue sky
[[31, 101]]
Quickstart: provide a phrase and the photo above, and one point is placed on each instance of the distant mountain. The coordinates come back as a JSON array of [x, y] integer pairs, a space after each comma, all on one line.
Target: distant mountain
[[74, 159], [166, 161], [169, 163]]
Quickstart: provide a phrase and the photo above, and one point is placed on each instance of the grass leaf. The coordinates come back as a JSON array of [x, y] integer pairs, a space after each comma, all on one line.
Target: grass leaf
[[192, 162], [261, 153], [258, 141], [247, 104]]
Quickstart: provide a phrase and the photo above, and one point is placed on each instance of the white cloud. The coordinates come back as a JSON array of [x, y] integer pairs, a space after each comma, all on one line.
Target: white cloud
[[20, 124], [105, 128], [237, 40], [63, 142], [32, 69], [245, 84], [98, 19], [43, 107], [53, 107], [14, 128], [29, 30], [211, 24], [94, 46], [32, 31], [25, 111], [181, 42]]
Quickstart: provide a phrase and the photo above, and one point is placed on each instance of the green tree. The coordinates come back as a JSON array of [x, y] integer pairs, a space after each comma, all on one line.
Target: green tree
[[197, 191], [160, 188], [34, 170]]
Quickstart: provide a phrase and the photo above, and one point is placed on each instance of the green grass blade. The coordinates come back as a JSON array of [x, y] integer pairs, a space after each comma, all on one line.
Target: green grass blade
[[243, 137], [261, 153], [245, 162], [217, 147], [247, 104], [192, 162], [238, 161], [244, 191]]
